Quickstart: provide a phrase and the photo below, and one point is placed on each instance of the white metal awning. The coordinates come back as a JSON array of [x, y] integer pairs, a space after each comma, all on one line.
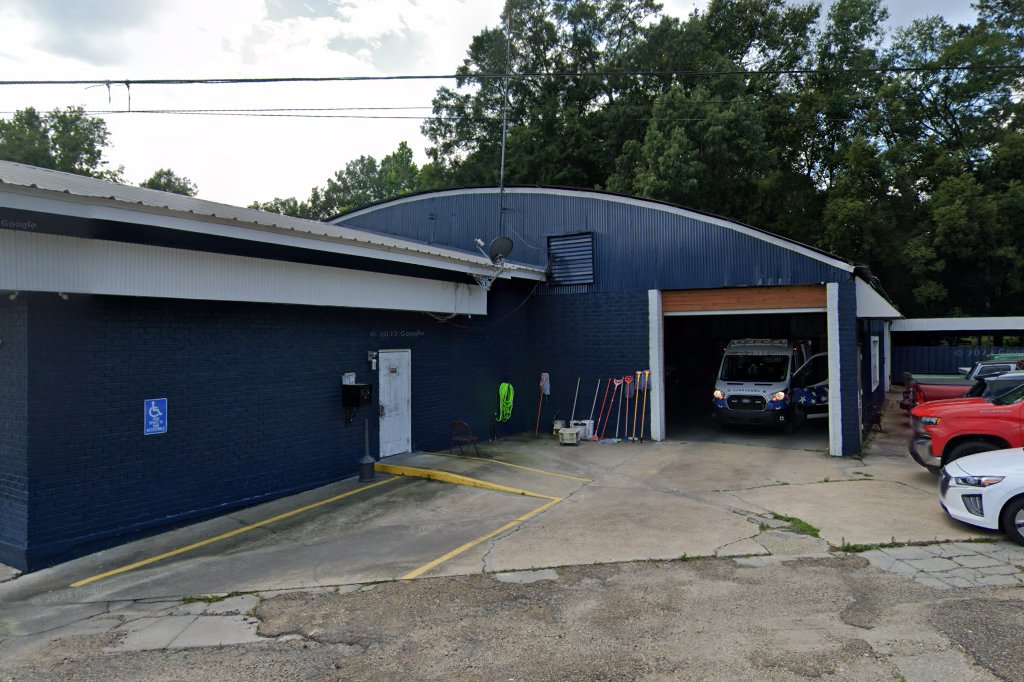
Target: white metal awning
[[43, 262], [871, 304], [960, 324]]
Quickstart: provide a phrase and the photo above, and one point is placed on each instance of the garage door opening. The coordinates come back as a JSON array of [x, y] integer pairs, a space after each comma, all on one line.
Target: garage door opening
[[694, 342]]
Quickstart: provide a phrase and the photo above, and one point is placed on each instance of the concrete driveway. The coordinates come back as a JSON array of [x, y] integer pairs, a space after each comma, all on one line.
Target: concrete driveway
[[615, 502]]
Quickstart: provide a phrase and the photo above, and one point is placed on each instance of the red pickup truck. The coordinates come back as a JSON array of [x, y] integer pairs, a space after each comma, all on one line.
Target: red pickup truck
[[925, 388], [951, 429]]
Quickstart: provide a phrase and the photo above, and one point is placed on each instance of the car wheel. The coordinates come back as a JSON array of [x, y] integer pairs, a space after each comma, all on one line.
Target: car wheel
[[1012, 520], [968, 447]]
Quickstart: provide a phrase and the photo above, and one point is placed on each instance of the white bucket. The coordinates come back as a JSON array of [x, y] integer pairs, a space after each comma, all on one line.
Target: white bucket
[[586, 427]]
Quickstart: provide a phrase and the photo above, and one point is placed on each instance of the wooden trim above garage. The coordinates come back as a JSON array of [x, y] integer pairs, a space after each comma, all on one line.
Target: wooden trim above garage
[[784, 298]]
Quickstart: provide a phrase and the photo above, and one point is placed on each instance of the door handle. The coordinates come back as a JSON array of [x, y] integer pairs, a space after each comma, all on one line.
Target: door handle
[[382, 410]]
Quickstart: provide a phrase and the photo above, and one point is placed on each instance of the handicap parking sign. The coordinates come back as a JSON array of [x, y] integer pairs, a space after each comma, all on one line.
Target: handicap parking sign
[[154, 418]]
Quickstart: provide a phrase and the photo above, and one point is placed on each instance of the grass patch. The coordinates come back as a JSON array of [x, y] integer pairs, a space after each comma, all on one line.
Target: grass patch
[[795, 525], [854, 548], [208, 598], [857, 549]]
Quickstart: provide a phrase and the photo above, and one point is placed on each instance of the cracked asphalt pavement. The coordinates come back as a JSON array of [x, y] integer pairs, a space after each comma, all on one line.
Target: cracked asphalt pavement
[[833, 617]]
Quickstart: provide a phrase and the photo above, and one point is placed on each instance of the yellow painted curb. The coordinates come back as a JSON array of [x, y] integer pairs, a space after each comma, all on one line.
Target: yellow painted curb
[[225, 536], [454, 479]]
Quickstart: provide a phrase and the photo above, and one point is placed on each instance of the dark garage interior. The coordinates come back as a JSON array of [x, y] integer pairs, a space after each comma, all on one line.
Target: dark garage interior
[[693, 352]]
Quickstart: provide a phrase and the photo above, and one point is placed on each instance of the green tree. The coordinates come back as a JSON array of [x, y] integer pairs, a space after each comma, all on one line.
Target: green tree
[[702, 149], [728, 144], [289, 206], [167, 180], [67, 140], [362, 181], [557, 134]]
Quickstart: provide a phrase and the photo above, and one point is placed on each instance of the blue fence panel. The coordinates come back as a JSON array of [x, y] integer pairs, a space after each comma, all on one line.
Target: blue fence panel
[[940, 359]]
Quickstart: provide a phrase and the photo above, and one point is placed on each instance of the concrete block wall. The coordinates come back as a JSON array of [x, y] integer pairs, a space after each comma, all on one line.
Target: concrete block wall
[[586, 336], [13, 427], [254, 404]]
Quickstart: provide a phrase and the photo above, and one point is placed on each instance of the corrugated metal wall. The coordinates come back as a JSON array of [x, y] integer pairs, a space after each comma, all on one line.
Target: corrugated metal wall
[[939, 359], [873, 399], [636, 247]]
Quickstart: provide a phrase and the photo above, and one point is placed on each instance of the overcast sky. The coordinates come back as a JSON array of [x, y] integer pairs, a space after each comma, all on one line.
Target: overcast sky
[[241, 159]]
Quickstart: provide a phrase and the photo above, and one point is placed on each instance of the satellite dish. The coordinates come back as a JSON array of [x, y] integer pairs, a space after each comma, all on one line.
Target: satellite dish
[[499, 249]]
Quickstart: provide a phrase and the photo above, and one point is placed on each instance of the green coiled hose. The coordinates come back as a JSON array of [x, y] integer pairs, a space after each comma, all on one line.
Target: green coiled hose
[[506, 394]]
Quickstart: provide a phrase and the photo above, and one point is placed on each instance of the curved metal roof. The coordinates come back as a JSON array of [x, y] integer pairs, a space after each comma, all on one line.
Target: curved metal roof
[[653, 204]]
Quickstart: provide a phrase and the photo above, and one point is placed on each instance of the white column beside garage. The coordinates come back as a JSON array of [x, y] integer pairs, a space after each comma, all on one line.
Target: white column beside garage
[[656, 351], [835, 399]]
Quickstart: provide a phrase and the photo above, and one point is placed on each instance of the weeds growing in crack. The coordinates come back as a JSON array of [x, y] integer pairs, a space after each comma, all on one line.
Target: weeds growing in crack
[[855, 548], [796, 525]]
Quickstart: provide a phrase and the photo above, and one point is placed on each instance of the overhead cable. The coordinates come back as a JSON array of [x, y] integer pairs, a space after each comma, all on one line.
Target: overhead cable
[[128, 82]]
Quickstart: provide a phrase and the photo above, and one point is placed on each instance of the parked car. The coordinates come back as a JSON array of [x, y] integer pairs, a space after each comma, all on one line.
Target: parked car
[[925, 388], [990, 368], [947, 430], [770, 382], [986, 490]]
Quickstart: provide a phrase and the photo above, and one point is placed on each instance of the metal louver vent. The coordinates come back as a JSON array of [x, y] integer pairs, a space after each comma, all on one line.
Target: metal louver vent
[[572, 259]]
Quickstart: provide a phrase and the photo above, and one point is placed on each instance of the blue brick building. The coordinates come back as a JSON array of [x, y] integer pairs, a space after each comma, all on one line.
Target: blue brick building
[[247, 322]]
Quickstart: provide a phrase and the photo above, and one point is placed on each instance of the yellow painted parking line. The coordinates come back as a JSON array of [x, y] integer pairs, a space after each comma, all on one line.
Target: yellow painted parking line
[[517, 466], [225, 536], [455, 479], [470, 545]]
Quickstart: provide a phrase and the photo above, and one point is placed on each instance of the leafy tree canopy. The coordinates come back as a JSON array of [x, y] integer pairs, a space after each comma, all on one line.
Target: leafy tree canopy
[[167, 180], [67, 140], [362, 181]]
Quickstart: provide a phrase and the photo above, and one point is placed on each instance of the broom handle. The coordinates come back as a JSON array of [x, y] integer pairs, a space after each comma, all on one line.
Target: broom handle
[[636, 406], [572, 418], [536, 431], [643, 417], [596, 391]]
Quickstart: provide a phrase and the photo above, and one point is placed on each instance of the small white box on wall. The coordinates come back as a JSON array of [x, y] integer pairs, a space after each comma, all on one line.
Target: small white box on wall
[[875, 362]]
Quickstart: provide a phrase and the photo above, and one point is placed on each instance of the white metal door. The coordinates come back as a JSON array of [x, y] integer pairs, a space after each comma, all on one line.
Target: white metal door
[[395, 388]]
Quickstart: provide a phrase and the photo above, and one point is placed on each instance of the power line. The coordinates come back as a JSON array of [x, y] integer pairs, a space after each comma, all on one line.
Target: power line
[[243, 113], [129, 82], [787, 98]]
